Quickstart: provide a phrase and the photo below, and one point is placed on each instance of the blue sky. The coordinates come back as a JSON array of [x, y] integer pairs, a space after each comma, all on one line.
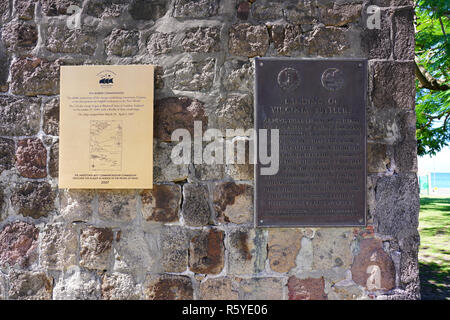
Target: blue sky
[[439, 163]]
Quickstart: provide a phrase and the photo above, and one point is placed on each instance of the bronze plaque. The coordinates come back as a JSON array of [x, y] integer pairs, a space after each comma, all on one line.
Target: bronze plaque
[[319, 108]]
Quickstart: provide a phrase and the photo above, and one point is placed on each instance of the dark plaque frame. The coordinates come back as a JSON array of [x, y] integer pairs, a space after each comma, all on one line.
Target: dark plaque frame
[[319, 107]]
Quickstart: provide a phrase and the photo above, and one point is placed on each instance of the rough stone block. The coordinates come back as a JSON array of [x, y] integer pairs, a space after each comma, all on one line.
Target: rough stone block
[[76, 205], [378, 159], [162, 203], [119, 286], [77, 284], [30, 286], [403, 30], [60, 39], [283, 248], [206, 252], [194, 75], [248, 40], [59, 246], [51, 117], [31, 76], [7, 154], [339, 14], [19, 36], [261, 289], [195, 9], [20, 116], [95, 248], [117, 205], [372, 267], [122, 43], [218, 289], [377, 42], [168, 287], [201, 39], [53, 164], [264, 10], [160, 43], [164, 170], [306, 289], [33, 199], [238, 76], [247, 251], [288, 39], [31, 158], [25, 9], [174, 248], [236, 111], [196, 210], [331, 248], [58, 7], [19, 244], [302, 12], [327, 41], [147, 9], [233, 202]]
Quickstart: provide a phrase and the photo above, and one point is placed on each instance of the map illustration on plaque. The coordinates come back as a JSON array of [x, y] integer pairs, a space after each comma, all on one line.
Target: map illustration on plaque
[[106, 145], [318, 107]]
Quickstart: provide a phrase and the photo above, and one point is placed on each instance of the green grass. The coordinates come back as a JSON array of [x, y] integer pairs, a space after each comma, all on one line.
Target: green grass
[[434, 251]]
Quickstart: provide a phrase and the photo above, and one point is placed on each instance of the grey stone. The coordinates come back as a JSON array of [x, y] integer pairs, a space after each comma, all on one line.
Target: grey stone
[[120, 286], [248, 40], [174, 248], [76, 205], [30, 285], [195, 210], [236, 111], [20, 116], [77, 284], [194, 76], [59, 246], [33, 199], [60, 39], [195, 9], [25, 9], [122, 43], [201, 39], [148, 9], [160, 43], [51, 117], [6, 154], [261, 289]]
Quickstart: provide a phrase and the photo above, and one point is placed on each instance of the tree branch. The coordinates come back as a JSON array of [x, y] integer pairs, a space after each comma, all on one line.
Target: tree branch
[[426, 80]]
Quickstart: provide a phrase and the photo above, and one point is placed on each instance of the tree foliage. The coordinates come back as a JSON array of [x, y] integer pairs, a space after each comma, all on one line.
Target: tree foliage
[[432, 57]]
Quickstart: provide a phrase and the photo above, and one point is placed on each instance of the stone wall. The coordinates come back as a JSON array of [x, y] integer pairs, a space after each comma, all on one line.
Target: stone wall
[[192, 236]]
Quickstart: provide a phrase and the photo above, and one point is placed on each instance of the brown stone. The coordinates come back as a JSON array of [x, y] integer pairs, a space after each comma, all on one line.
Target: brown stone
[[372, 267], [178, 112], [202, 39], [377, 42], [6, 154], [195, 9], [53, 164], [76, 205], [31, 158], [206, 252], [95, 247], [283, 248], [60, 39], [196, 210], [162, 203], [287, 39], [30, 286], [160, 43], [233, 202], [247, 251], [169, 287], [51, 117], [31, 76], [243, 10], [248, 40], [306, 289], [236, 111], [19, 244], [33, 199], [332, 248], [25, 9], [20, 36], [146, 9], [218, 289]]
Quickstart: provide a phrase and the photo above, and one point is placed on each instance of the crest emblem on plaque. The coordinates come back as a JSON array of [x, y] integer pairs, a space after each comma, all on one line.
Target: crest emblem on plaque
[[288, 79], [332, 79]]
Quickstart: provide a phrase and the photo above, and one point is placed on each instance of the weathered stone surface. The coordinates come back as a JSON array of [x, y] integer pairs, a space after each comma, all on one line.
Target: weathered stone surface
[[248, 40], [243, 10], [59, 246], [306, 289], [261, 289], [31, 76], [2, 204], [405, 154], [346, 292], [238, 76], [168, 287], [377, 158], [122, 43], [247, 251], [31, 158], [201, 39], [20, 36], [5, 60], [162, 203], [30, 286], [160, 43], [206, 252], [302, 12], [287, 39], [76, 205], [174, 249], [195, 209], [387, 91], [384, 125], [240, 171], [372, 267], [33, 199], [178, 112], [377, 42], [20, 116], [283, 247], [233, 202], [6, 154], [107, 9], [60, 39], [327, 41], [77, 284], [194, 75], [147, 9], [235, 112], [53, 164], [397, 205], [3, 290], [119, 286], [19, 244], [195, 9], [117, 205], [331, 248], [336, 14], [5, 11], [58, 7], [264, 10], [25, 9], [403, 30], [164, 169], [51, 117], [218, 289], [95, 248]]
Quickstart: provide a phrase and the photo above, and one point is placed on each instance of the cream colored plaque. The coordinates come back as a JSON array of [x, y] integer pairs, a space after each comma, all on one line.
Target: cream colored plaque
[[106, 127]]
